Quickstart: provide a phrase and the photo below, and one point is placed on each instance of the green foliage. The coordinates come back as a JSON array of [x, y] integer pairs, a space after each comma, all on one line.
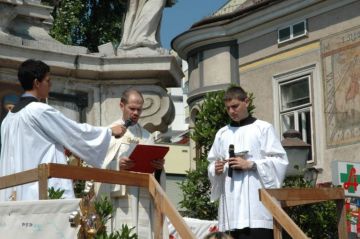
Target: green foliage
[[196, 190], [88, 23], [55, 194], [104, 209], [126, 233], [211, 117], [79, 186], [318, 221], [196, 187]]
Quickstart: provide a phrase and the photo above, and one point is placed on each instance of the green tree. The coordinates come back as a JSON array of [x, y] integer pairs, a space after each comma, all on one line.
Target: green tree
[[196, 187], [319, 220], [87, 23]]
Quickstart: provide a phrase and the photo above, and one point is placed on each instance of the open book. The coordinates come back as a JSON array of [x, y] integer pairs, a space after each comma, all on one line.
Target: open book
[[144, 154]]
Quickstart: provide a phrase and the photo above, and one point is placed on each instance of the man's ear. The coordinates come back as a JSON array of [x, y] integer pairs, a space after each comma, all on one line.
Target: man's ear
[[247, 101], [36, 83], [122, 105]]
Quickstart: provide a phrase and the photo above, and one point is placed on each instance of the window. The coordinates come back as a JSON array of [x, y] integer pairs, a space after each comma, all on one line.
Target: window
[[292, 32], [294, 93], [294, 109]]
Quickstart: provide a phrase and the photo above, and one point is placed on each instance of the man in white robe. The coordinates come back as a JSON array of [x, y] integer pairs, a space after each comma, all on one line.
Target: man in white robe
[[34, 133], [259, 162], [133, 205]]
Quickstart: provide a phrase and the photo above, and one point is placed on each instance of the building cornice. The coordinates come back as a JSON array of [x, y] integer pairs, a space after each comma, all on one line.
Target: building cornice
[[162, 69], [230, 26]]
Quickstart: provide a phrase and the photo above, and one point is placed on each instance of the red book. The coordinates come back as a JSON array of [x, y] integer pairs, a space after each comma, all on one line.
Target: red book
[[144, 154]]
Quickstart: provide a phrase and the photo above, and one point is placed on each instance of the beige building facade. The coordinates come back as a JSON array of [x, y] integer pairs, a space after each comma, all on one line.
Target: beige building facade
[[301, 59]]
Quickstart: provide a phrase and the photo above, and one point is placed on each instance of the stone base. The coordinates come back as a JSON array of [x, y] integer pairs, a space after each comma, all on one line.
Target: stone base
[[101, 79], [142, 51]]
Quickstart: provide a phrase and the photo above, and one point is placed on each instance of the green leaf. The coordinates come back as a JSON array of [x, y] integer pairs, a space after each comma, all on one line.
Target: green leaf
[[55, 194], [88, 23], [316, 220]]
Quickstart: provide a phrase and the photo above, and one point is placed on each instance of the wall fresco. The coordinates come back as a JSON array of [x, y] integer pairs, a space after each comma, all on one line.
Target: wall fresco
[[340, 55]]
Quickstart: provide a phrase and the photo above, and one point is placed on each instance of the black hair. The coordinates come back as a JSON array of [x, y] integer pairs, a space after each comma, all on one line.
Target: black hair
[[126, 94], [30, 70], [235, 92]]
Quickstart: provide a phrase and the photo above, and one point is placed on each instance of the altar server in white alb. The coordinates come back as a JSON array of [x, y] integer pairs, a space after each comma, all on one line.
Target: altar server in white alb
[[259, 161], [34, 133]]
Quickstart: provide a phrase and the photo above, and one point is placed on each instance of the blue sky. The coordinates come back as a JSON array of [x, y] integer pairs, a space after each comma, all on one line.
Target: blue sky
[[183, 14]]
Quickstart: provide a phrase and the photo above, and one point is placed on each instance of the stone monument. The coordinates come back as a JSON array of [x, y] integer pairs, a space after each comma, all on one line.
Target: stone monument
[[87, 86]]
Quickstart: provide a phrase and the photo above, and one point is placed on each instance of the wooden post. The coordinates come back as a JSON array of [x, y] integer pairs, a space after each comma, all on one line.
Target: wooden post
[[296, 196], [43, 176], [280, 215], [168, 209], [159, 217], [277, 230], [341, 215]]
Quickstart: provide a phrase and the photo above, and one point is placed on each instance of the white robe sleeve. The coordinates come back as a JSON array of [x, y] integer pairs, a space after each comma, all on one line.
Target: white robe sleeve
[[88, 142], [273, 162], [217, 181]]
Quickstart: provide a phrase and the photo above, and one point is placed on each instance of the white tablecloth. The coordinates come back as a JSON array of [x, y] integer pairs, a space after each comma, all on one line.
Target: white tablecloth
[[38, 219]]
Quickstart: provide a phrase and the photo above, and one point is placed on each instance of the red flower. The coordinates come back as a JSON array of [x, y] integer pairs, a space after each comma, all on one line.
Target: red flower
[[213, 229], [67, 152]]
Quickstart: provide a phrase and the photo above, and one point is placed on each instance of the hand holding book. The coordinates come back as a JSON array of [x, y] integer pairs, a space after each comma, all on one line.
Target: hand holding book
[[145, 158]]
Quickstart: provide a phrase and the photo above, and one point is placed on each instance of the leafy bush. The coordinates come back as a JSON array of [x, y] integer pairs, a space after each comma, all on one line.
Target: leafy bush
[[211, 117], [196, 191], [125, 233], [319, 220], [55, 194], [104, 209]]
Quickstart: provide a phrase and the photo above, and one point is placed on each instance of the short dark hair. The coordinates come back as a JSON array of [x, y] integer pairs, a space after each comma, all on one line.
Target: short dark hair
[[235, 92], [30, 70], [126, 94]]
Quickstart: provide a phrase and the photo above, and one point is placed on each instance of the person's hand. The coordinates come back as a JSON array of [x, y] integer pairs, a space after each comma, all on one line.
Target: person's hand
[[126, 163], [158, 163], [240, 163], [219, 166], [118, 131]]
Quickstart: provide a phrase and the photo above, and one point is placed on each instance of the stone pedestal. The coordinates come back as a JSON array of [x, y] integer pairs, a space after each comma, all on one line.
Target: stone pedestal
[[86, 87]]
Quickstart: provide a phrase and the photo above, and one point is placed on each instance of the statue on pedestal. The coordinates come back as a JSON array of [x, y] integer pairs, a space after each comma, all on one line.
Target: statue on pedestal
[[141, 28], [142, 24]]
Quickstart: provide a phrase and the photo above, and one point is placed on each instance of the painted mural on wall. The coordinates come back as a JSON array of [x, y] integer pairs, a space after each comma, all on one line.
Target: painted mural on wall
[[341, 73]]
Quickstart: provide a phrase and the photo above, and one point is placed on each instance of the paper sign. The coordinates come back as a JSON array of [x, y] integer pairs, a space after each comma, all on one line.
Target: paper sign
[[347, 174]]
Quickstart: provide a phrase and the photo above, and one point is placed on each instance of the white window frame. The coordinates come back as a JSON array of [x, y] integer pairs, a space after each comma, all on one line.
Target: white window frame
[[297, 113], [290, 76], [292, 37]]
